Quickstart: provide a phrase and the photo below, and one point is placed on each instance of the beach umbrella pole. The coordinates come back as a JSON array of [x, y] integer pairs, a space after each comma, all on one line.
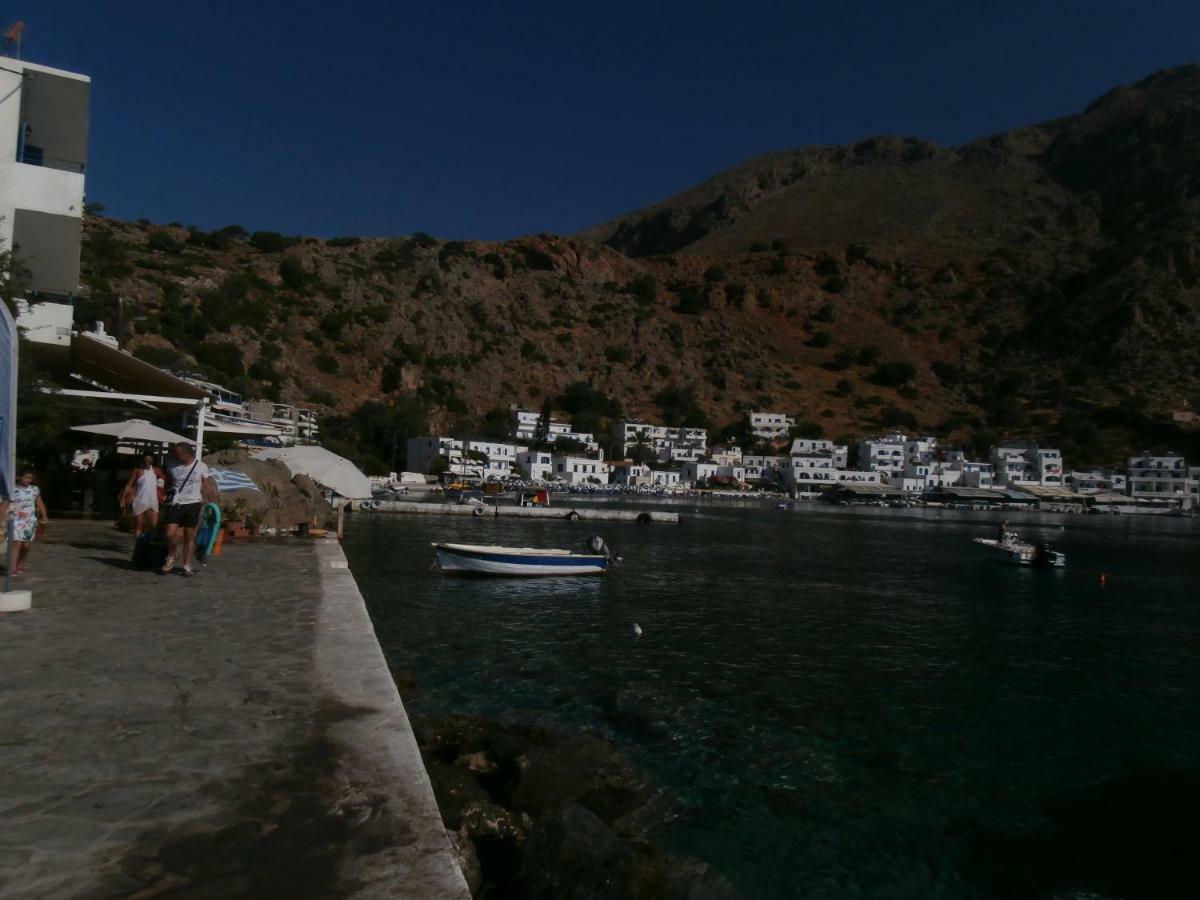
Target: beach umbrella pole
[[201, 409]]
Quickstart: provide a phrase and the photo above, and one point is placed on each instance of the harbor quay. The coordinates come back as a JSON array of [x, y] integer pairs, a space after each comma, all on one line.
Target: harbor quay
[[234, 734]]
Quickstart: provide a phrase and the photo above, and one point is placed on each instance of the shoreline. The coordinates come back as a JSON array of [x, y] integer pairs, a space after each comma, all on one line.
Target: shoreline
[[367, 716]]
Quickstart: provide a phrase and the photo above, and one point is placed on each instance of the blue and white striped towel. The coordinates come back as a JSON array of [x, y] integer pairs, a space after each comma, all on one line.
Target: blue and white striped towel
[[229, 480]]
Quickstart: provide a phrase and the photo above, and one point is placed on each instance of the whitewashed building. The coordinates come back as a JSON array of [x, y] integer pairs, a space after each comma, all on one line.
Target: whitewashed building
[[1097, 481], [536, 464], [669, 478], [478, 459], [730, 455], [890, 453], [838, 453], [424, 451], [770, 425], [808, 475], [974, 473], [296, 425], [492, 459], [669, 444], [44, 125], [1159, 476], [1026, 463], [526, 428], [579, 470], [703, 471], [764, 468]]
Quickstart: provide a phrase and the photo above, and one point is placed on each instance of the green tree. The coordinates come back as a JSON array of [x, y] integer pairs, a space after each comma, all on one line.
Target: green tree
[[541, 431], [642, 451]]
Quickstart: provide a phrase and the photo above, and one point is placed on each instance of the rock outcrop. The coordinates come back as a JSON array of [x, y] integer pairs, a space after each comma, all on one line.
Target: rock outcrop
[[282, 503], [552, 816]]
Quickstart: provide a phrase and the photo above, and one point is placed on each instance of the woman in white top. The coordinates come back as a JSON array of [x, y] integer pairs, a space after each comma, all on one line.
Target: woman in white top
[[141, 496]]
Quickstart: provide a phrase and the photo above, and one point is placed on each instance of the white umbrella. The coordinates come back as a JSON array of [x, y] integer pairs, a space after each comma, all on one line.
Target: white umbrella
[[134, 430], [328, 469]]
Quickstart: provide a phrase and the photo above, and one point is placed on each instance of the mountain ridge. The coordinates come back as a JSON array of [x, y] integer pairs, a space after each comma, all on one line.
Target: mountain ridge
[[1038, 281]]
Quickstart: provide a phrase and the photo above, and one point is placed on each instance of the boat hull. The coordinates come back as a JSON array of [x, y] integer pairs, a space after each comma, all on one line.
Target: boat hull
[[483, 562], [1022, 554]]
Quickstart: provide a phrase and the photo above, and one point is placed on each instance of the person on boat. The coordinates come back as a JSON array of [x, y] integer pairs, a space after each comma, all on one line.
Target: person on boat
[[143, 492], [190, 481], [29, 512], [1003, 531]]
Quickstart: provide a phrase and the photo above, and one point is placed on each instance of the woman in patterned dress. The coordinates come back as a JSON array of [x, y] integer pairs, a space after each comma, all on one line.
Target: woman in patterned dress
[[26, 503]]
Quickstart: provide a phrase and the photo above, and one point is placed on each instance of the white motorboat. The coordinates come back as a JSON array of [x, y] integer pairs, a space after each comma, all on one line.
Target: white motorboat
[[527, 562], [1022, 553]]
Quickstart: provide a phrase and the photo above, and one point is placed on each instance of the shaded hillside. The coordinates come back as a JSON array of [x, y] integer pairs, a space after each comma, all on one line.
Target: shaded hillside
[[1042, 281]]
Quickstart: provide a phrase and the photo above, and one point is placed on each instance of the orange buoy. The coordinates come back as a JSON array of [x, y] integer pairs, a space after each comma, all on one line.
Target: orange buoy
[[1103, 579]]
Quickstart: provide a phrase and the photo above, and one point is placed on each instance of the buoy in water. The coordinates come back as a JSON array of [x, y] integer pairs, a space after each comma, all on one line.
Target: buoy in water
[[1103, 580], [635, 629]]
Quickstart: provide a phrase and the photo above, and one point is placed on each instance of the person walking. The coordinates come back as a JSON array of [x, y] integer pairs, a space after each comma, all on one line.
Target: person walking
[[143, 492], [26, 502], [185, 503]]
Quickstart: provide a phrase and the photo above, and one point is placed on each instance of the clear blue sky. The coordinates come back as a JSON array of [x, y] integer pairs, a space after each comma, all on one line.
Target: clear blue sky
[[489, 120]]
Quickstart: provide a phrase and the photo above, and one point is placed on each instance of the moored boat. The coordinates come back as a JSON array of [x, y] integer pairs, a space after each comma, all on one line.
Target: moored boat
[[1021, 553], [526, 562]]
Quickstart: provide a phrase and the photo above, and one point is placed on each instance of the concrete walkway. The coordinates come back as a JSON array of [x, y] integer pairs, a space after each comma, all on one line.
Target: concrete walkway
[[236, 734]]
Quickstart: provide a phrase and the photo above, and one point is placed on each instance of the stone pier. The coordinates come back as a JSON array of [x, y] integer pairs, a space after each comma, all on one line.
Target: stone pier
[[236, 734]]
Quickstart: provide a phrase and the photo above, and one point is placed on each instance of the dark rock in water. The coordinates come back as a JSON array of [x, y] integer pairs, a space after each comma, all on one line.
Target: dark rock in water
[[464, 853], [406, 682], [551, 816], [455, 790], [572, 855], [582, 768], [690, 879]]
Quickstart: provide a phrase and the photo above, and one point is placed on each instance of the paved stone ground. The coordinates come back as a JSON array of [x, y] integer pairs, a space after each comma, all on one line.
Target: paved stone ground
[[233, 734]]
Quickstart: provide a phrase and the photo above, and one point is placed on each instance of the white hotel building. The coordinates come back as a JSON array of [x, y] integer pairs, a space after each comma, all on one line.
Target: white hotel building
[[500, 457], [44, 126], [669, 444], [1024, 463], [770, 425], [839, 453], [526, 428], [816, 465], [889, 454], [1161, 476], [580, 470]]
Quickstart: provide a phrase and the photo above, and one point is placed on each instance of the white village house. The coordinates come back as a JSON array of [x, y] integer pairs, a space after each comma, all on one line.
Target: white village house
[[770, 425]]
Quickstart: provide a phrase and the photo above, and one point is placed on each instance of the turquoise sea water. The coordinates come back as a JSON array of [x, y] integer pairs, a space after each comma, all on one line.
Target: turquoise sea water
[[838, 702]]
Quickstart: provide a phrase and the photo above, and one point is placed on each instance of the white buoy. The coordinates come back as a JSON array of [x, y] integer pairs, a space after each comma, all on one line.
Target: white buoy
[[635, 629]]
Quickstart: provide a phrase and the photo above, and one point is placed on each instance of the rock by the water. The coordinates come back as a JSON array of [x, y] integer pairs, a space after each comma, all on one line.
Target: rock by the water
[[572, 855], [551, 816], [584, 769], [464, 854], [455, 790], [691, 879], [281, 503]]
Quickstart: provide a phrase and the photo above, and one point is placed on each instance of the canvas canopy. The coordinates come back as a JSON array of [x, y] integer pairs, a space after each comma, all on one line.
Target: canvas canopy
[[137, 431], [325, 468]]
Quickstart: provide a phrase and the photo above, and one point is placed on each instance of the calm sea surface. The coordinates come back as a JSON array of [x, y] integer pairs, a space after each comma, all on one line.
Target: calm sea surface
[[836, 702]]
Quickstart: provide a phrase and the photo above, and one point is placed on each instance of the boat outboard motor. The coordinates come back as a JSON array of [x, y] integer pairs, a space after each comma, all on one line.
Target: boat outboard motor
[[597, 547]]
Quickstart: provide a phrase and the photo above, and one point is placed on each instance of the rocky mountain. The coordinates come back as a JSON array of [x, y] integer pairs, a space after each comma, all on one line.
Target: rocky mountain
[[1042, 282]]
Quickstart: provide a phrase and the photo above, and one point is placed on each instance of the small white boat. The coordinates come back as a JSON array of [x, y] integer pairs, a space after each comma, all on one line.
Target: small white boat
[[528, 562], [1021, 553]]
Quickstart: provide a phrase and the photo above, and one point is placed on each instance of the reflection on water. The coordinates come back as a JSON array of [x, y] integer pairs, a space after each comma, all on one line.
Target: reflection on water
[[510, 591], [839, 702]]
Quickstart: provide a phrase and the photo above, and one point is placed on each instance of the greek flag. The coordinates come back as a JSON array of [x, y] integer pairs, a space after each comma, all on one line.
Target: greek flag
[[229, 480]]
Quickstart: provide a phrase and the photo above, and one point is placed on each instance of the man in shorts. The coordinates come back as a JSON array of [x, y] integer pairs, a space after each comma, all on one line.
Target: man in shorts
[[185, 503]]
